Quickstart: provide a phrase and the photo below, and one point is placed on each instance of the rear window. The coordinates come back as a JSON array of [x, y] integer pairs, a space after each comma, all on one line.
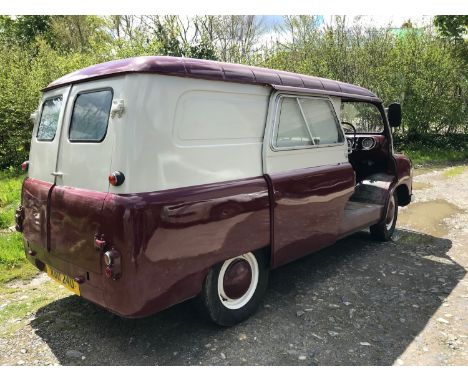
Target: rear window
[[49, 119], [90, 116]]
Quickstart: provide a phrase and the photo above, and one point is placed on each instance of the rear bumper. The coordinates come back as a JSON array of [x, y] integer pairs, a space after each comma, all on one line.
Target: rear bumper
[[90, 289], [126, 299]]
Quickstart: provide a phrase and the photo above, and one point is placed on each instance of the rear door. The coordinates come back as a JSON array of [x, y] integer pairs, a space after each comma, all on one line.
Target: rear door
[[42, 164], [84, 163], [88, 134], [46, 135], [306, 164]]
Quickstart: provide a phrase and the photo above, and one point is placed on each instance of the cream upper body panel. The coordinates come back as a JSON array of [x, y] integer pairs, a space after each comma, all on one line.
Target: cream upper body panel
[[181, 132], [172, 132]]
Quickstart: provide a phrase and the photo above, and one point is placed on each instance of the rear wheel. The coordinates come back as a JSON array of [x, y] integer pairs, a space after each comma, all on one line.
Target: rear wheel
[[383, 231], [233, 289]]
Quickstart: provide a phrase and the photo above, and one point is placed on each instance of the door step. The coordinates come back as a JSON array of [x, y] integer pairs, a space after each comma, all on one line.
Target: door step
[[358, 215]]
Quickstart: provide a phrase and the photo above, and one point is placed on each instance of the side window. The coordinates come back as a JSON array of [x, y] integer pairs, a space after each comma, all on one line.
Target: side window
[[90, 116], [292, 130], [322, 121], [305, 122], [49, 119]]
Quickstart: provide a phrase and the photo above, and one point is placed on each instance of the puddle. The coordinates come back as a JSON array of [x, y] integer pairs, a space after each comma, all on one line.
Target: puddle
[[420, 185], [428, 217]]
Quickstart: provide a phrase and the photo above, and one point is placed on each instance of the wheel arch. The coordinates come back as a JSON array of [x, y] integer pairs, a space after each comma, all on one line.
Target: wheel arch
[[403, 195]]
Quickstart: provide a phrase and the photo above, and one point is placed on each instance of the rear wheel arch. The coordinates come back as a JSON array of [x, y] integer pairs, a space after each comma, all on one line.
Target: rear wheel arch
[[226, 310]]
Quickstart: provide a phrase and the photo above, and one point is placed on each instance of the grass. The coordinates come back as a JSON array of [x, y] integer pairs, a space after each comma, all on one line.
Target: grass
[[433, 149], [11, 249], [436, 156], [10, 190], [454, 171], [13, 263], [19, 302]]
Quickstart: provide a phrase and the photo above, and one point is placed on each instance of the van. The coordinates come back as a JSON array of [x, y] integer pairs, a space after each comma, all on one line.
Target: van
[[154, 180]]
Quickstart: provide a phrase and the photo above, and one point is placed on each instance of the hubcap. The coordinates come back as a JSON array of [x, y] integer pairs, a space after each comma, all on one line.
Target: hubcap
[[237, 278], [237, 281], [390, 213]]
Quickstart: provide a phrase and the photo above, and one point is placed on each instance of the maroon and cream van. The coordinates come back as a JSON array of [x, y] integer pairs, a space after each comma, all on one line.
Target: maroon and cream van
[[153, 180]]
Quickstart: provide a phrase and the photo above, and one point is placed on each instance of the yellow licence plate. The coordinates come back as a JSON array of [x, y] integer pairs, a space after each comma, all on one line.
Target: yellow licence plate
[[65, 280]]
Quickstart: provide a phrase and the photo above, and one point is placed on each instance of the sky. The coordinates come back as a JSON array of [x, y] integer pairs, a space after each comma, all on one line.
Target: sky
[[377, 20], [273, 21]]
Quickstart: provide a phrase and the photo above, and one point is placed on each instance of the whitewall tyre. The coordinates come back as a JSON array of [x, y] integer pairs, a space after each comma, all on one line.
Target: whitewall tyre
[[234, 288]]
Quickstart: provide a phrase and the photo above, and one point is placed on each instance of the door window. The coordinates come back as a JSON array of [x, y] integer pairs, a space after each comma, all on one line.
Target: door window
[[321, 119], [306, 122], [49, 119], [292, 129], [90, 116]]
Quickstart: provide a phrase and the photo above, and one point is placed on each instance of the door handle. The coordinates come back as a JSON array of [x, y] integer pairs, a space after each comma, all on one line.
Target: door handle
[[56, 173]]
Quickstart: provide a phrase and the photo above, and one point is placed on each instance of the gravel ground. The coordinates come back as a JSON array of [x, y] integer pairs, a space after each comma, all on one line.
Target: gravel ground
[[358, 302]]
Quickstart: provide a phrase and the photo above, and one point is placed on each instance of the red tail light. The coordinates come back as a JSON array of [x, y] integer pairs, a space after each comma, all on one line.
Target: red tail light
[[116, 178], [25, 165]]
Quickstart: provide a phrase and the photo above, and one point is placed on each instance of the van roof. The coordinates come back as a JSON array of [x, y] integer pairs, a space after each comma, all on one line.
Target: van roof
[[214, 70]]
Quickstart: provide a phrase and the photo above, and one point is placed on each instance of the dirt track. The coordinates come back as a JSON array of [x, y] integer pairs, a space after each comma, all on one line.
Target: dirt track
[[359, 302]]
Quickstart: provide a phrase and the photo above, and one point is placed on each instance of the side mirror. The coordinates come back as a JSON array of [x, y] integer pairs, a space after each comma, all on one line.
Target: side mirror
[[394, 114]]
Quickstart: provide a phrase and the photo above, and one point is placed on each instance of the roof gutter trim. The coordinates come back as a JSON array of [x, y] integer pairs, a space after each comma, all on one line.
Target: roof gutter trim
[[297, 90]]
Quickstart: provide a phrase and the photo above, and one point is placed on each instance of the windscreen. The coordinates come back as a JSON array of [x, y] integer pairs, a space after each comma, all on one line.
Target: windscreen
[[363, 116]]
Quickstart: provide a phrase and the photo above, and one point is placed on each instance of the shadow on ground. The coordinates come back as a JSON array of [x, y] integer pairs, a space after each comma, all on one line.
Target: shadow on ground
[[358, 302]]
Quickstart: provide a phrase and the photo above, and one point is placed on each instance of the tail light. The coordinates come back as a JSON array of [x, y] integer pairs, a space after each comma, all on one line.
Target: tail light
[[112, 263], [116, 178], [25, 165]]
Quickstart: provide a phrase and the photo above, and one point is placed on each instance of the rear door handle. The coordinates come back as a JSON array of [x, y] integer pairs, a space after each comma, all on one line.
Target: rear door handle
[[56, 173]]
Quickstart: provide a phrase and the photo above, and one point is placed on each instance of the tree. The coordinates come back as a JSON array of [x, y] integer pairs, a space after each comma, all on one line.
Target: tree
[[235, 37], [24, 29], [78, 33], [455, 27]]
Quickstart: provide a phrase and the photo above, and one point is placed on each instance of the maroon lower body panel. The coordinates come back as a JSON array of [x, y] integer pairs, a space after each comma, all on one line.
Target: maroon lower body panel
[[167, 240], [74, 220], [35, 196], [308, 208]]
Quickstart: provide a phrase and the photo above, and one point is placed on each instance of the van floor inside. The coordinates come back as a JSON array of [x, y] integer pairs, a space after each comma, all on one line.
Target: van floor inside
[[359, 215]]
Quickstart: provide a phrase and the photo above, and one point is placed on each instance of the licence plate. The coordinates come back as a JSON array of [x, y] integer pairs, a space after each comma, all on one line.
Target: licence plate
[[65, 280]]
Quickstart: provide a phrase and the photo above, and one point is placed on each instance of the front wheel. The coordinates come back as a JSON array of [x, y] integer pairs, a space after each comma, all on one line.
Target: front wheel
[[234, 288], [383, 231]]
